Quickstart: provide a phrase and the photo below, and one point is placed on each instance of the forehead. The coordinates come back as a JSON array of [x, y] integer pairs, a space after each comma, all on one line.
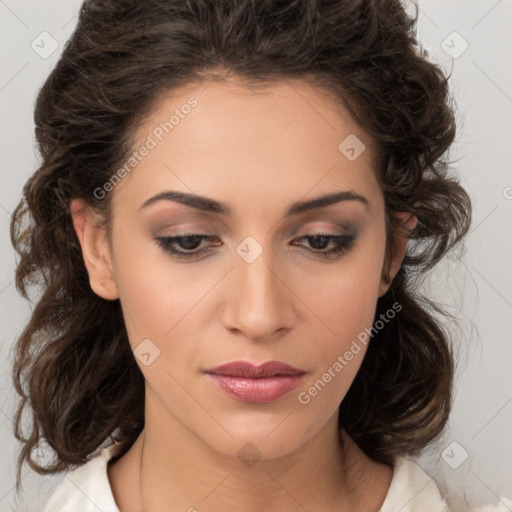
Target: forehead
[[231, 110], [279, 140]]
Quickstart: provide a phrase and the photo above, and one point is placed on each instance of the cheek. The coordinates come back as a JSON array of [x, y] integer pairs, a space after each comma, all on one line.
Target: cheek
[[347, 302], [344, 301], [346, 307], [157, 295], [344, 298]]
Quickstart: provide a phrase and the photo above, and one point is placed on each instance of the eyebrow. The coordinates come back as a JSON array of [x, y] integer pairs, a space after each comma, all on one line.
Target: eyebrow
[[210, 205]]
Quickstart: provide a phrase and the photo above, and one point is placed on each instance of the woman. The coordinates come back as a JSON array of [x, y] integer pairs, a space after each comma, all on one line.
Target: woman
[[234, 204]]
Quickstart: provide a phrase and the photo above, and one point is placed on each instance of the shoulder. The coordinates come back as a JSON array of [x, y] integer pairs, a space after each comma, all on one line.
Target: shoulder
[[412, 490], [87, 487]]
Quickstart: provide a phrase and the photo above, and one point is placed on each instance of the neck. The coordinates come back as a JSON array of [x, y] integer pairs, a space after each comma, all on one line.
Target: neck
[[176, 471]]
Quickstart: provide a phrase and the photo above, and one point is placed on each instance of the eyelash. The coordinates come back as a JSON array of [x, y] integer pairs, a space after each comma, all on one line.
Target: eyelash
[[343, 244]]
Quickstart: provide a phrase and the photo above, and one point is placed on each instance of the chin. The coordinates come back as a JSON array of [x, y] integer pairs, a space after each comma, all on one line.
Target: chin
[[260, 441]]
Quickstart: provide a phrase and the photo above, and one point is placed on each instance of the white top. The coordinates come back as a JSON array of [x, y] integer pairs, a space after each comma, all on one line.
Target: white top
[[87, 488]]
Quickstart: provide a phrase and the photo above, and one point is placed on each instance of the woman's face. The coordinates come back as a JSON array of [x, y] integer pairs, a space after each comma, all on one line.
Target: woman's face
[[256, 284]]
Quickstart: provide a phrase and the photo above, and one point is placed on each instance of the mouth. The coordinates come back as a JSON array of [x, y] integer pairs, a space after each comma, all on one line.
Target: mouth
[[247, 382]]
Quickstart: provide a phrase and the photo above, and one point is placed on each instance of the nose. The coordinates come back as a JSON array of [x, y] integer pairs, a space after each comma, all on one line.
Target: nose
[[259, 301]]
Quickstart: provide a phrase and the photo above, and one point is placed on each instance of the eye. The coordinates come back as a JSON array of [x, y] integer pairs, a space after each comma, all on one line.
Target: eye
[[189, 242], [340, 244], [189, 245]]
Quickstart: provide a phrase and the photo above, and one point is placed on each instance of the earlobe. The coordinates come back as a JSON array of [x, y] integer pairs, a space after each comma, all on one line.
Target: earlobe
[[95, 249], [398, 248]]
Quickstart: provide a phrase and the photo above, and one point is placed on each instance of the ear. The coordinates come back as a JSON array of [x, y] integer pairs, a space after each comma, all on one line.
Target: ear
[[398, 246], [95, 249]]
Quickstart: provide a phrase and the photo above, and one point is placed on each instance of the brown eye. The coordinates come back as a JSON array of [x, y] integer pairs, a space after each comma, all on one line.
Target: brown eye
[[320, 241], [180, 245]]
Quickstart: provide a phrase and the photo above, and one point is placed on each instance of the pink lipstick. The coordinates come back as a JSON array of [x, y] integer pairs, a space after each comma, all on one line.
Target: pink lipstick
[[248, 382]]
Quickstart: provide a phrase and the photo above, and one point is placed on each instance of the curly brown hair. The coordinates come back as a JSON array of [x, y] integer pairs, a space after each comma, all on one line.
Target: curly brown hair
[[73, 364]]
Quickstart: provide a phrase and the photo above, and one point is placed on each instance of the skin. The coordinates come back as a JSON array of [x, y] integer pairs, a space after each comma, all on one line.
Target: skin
[[258, 152]]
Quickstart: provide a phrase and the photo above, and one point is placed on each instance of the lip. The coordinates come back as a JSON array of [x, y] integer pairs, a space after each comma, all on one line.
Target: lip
[[248, 382]]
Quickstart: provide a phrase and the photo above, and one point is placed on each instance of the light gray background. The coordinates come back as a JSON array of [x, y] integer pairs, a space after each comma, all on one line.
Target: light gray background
[[475, 282]]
